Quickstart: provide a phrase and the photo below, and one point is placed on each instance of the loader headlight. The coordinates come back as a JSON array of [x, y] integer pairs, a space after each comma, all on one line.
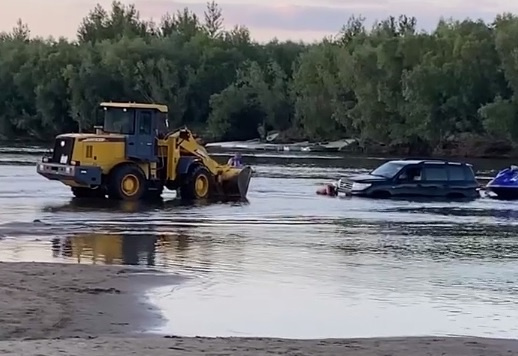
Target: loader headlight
[[360, 186], [69, 170]]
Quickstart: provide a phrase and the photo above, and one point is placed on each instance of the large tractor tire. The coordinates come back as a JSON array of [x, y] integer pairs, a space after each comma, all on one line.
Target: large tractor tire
[[82, 192], [127, 182], [199, 184]]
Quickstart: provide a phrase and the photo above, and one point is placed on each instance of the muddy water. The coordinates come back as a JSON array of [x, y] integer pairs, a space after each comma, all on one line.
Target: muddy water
[[288, 263]]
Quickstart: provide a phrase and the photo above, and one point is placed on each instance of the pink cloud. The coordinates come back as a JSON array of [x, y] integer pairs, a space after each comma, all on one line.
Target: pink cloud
[[295, 19]]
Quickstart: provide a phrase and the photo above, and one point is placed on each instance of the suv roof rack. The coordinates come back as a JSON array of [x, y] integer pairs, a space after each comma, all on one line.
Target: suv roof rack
[[424, 159], [436, 160]]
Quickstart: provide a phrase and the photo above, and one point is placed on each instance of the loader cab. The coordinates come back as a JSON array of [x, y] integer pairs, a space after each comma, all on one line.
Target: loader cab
[[141, 124]]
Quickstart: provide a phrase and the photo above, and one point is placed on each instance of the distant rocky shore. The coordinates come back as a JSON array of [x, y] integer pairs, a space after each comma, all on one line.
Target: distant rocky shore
[[466, 146]]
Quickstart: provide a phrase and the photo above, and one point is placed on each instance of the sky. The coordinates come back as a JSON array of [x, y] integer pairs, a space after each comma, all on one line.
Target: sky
[[285, 19]]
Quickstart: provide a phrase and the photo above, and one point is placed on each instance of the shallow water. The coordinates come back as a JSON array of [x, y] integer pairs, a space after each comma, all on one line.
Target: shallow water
[[288, 263]]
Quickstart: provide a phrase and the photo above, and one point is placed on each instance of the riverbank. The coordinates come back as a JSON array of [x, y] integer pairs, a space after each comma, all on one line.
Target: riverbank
[[47, 300], [463, 146], [90, 310], [466, 147], [162, 346]]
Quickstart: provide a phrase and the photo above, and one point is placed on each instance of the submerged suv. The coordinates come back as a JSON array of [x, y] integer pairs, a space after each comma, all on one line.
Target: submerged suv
[[432, 178]]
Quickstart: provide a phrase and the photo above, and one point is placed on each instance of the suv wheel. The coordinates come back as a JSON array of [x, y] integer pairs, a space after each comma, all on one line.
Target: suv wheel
[[381, 194], [455, 196]]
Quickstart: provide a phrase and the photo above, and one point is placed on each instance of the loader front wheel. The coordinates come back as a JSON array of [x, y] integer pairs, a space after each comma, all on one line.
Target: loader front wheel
[[198, 185], [127, 182]]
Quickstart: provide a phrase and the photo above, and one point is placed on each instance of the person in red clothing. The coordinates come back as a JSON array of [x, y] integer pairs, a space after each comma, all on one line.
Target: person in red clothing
[[329, 190]]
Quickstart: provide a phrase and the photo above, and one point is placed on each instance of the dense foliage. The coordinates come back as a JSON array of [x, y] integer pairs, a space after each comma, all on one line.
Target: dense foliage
[[389, 84]]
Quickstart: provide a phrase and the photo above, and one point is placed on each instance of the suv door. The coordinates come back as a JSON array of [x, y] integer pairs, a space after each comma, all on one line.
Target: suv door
[[434, 182], [407, 181]]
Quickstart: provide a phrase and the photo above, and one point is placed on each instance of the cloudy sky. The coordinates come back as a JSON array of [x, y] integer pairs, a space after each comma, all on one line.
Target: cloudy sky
[[284, 19]]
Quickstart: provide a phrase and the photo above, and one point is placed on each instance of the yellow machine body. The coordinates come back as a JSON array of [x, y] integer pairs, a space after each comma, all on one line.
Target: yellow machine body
[[133, 156]]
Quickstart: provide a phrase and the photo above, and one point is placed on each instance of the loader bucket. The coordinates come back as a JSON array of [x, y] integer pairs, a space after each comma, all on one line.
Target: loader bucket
[[236, 185]]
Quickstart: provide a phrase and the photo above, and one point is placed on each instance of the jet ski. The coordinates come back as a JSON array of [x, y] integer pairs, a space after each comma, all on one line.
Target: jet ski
[[505, 184]]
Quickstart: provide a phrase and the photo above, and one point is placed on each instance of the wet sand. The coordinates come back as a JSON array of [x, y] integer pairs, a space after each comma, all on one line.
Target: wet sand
[[98, 310], [47, 300], [240, 346]]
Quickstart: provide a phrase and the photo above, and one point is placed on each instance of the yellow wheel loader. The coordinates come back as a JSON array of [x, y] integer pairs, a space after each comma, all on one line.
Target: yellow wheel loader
[[134, 156]]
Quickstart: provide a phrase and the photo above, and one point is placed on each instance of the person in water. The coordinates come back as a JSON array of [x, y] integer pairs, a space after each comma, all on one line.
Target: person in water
[[235, 161], [329, 190]]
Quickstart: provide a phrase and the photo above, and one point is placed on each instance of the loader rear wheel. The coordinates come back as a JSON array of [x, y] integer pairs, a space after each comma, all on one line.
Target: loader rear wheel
[[127, 182], [199, 184]]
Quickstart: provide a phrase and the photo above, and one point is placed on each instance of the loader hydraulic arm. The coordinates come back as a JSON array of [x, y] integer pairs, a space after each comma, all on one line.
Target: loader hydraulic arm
[[187, 142], [228, 181]]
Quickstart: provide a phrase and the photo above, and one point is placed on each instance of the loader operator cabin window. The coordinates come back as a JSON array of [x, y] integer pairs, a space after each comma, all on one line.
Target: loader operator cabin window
[[119, 121], [145, 126]]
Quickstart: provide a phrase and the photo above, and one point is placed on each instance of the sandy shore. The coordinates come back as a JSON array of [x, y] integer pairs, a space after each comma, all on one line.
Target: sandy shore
[[70, 309], [47, 300], [154, 346]]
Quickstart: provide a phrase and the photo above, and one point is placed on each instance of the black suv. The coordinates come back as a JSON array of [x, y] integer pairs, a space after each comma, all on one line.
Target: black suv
[[409, 177]]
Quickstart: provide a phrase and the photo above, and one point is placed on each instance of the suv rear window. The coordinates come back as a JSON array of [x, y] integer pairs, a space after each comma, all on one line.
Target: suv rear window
[[469, 174], [437, 173], [457, 172]]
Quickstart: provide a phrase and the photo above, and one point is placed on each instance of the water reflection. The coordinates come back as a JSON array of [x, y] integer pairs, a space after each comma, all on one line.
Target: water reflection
[[81, 205], [436, 241], [187, 251], [457, 211], [108, 248], [122, 249]]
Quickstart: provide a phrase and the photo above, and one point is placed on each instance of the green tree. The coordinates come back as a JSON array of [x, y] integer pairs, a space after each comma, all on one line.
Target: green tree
[[390, 84]]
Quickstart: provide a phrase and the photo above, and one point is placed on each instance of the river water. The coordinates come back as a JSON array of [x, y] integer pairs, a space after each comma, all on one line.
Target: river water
[[287, 263]]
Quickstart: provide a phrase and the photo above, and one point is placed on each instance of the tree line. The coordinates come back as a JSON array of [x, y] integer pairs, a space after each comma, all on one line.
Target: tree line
[[390, 84]]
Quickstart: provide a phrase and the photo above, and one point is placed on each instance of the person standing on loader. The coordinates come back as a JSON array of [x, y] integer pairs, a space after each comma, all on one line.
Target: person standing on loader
[[235, 161]]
